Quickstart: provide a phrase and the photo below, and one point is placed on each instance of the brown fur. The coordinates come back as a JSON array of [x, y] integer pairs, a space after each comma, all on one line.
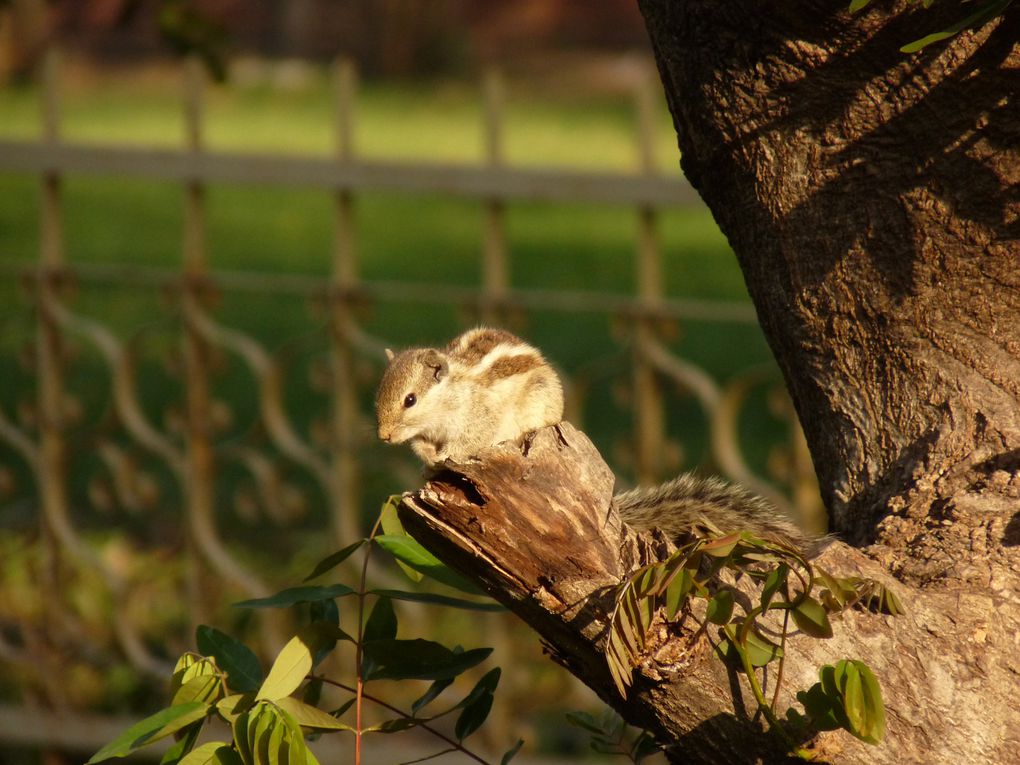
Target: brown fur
[[482, 342], [508, 366]]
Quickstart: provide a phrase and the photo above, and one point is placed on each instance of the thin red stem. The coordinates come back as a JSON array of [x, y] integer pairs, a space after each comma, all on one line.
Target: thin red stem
[[359, 691], [396, 710]]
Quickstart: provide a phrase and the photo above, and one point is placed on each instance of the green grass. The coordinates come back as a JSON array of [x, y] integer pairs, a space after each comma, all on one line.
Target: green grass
[[411, 238], [435, 121]]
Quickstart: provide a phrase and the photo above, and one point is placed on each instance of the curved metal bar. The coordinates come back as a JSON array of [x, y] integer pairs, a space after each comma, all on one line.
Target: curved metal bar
[[21, 443], [726, 443], [123, 473], [684, 374], [125, 401], [59, 522], [267, 375], [267, 479], [722, 408]]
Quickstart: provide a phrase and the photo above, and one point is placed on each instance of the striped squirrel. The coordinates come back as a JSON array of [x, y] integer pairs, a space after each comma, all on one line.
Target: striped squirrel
[[485, 387], [488, 386]]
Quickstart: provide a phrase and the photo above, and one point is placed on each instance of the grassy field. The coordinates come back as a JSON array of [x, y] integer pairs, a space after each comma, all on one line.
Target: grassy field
[[425, 239]]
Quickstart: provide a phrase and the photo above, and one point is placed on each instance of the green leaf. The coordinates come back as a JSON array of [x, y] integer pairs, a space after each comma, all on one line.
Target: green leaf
[[722, 546], [419, 659], [407, 550], [677, 592], [821, 708], [230, 707], [853, 698], [644, 746], [277, 746], [292, 664], [213, 753], [876, 597], [308, 716], [857, 5], [395, 725], [260, 731], [181, 747], [388, 517], [339, 711], [189, 667], [473, 716], [618, 661], [775, 580], [324, 611], [511, 752], [486, 685], [811, 618], [863, 703], [646, 581], [332, 561], [391, 526], [239, 727], [294, 595], [585, 721], [720, 607], [986, 12], [152, 728], [440, 600], [630, 636], [760, 650], [186, 740], [205, 688], [430, 695], [382, 621], [838, 592], [244, 673]]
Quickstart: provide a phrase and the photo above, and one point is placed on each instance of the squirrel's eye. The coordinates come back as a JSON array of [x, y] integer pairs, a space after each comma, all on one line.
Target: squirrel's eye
[[410, 400]]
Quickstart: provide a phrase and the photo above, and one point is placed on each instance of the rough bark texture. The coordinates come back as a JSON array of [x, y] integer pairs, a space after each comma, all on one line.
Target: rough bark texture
[[538, 533], [873, 200]]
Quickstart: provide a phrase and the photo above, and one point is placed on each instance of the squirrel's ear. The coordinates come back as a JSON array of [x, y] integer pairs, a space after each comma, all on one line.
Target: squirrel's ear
[[389, 355], [438, 364]]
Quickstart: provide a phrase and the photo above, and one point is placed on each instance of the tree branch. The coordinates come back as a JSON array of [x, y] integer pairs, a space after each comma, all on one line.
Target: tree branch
[[539, 534]]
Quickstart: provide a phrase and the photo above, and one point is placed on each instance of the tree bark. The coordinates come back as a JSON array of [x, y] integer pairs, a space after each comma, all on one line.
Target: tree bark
[[539, 534], [873, 200]]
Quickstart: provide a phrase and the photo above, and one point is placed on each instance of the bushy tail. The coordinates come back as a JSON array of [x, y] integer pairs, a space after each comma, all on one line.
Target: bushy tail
[[687, 505]]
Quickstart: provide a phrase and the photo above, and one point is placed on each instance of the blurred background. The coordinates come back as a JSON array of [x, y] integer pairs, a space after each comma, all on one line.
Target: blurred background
[[213, 218]]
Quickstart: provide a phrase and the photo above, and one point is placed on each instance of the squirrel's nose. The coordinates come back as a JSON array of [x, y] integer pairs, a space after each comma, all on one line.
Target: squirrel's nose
[[385, 435]]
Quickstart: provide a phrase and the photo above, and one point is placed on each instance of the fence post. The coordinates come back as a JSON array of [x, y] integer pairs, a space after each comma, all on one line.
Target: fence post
[[649, 412], [51, 467], [495, 268], [345, 510], [198, 465], [199, 462]]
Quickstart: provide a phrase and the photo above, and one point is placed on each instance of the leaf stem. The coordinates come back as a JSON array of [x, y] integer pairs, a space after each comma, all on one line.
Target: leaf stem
[[782, 659], [359, 690], [396, 710], [763, 706]]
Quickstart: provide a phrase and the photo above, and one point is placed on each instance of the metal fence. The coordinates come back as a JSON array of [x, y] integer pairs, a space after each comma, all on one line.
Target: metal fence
[[161, 477]]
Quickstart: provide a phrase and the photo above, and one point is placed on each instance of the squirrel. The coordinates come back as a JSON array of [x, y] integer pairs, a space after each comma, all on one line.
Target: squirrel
[[488, 386], [485, 387]]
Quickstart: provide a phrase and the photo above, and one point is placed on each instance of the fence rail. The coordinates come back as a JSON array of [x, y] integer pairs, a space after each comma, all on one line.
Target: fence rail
[[507, 184], [187, 444]]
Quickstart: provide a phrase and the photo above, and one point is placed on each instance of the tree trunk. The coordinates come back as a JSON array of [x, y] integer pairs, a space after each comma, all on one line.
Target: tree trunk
[[871, 198]]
